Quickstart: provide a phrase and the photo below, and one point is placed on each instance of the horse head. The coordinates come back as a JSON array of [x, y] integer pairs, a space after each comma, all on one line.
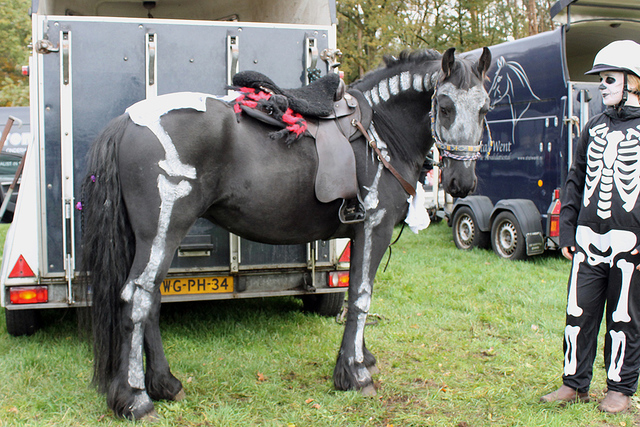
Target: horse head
[[460, 104]]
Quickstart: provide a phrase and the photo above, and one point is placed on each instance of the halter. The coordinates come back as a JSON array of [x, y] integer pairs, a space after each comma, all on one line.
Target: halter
[[456, 152]]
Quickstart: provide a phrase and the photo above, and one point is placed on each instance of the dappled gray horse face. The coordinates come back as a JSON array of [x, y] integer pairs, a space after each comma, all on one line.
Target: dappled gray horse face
[[459, 123]]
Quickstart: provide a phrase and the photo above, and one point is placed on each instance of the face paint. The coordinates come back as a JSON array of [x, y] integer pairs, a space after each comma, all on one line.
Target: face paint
[[611, 87]]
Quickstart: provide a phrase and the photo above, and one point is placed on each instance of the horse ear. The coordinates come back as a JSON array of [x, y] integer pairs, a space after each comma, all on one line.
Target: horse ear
[[484, 62], [448, 60]]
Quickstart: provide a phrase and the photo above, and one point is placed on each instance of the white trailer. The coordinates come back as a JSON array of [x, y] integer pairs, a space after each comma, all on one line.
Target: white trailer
[[90, 61]]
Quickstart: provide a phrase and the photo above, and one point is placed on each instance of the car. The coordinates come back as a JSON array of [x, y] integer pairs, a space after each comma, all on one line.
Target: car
[[13, 149], [9, 163]]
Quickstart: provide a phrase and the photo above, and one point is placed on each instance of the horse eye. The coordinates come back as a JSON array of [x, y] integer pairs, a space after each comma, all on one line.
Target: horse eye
[[444, 110]]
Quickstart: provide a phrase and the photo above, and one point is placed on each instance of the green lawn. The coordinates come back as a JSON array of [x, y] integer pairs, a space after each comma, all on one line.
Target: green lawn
[[462, 339]]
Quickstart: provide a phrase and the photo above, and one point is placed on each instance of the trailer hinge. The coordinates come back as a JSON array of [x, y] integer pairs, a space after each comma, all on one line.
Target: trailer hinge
[[151, 56], [69, 262], [234, 255], [233, 55], [66, 45], [311, 60], [312, 258]]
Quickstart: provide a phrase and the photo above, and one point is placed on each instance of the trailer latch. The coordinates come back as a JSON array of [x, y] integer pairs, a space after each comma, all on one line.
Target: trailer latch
[[45, 46]]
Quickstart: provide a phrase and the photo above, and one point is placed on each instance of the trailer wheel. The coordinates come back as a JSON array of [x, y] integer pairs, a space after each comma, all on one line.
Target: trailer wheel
[[466, 234], [22, 322], [506, 237], [328, 305]]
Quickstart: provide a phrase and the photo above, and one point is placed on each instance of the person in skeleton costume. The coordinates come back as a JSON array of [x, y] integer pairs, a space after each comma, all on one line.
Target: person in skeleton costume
[[600, 233]]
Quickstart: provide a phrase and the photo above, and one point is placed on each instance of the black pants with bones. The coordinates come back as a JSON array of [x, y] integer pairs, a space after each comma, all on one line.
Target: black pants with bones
[[603, 271]]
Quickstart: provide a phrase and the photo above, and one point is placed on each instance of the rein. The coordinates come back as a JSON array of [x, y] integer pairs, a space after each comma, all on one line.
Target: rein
[[372, 143], [456, 152]]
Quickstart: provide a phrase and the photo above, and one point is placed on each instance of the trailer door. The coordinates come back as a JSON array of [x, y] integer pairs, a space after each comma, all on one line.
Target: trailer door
[[97, 67]]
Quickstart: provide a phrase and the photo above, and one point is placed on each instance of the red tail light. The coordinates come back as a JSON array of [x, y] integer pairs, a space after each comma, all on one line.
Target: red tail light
[[554, 215], [554, 226], [28, 294], [338, 279]]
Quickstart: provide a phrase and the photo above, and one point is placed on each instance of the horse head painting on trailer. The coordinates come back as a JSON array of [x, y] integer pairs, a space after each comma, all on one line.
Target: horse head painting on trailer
[[167, 162], [510, 82]]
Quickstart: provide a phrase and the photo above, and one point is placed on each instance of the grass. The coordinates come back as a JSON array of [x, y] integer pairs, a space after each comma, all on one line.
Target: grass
[[462, 339]]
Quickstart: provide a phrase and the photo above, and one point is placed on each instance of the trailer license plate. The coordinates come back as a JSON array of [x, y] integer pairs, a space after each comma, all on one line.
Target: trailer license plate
[[197, 285]]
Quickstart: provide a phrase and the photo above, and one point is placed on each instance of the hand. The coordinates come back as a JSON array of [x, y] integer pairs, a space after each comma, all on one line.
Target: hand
[[568, 251], [635, 252]]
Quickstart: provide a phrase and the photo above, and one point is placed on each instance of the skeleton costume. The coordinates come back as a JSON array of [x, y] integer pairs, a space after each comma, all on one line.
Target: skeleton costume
[[600, 218]]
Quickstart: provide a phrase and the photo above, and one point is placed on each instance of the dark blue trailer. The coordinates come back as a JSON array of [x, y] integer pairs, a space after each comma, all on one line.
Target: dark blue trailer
[[541, 99]]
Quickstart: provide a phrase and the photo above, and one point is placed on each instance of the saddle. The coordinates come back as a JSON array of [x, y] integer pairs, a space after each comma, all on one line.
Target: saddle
[[328, 111], [314, 100]]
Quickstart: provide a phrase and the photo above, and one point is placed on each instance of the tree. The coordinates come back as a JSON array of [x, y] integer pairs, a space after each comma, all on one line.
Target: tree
[[367, 29], [15, 33]]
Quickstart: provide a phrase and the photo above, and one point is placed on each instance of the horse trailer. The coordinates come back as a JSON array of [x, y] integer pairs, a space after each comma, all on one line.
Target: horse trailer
[[93, 59], [540, 101]]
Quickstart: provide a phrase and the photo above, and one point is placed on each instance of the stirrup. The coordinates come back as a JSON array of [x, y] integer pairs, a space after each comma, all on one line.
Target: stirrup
[[352, 211]]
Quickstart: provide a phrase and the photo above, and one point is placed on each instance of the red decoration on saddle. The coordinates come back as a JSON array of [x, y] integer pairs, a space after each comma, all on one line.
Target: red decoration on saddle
[[251, 97], [297, 124]]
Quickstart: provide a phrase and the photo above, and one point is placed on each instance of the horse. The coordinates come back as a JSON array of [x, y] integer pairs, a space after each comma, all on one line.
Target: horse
[[510, 82], [156, 169]]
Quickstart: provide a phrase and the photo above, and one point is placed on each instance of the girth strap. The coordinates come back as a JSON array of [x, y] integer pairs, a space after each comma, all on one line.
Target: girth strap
[[372, 143]]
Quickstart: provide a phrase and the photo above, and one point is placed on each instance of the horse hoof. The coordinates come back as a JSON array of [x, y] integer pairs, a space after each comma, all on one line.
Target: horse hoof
[[180, 396], [373, 370], [368, 391], [150, 417]]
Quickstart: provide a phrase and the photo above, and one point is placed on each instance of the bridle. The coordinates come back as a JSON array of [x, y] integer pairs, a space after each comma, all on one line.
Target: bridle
[[456, 152]]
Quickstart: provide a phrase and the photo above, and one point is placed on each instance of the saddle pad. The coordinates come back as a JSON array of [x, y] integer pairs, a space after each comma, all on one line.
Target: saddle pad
[[336, 175]]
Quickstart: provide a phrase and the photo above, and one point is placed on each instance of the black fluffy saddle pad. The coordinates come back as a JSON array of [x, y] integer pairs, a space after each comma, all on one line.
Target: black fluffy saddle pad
[[315, 100]]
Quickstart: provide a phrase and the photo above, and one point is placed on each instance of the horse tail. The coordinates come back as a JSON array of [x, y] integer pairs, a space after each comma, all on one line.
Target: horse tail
[[108, 249]]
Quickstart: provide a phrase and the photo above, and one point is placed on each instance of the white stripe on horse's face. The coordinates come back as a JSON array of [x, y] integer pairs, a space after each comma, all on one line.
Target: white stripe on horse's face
[[465, 123]]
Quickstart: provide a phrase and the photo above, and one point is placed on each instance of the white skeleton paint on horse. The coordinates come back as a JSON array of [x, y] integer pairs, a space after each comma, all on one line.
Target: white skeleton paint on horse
[[167, 162]]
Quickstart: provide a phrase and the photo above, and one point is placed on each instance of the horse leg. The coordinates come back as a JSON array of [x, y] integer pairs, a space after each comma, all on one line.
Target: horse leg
[[160, 382], [355, 362], [127, 395]]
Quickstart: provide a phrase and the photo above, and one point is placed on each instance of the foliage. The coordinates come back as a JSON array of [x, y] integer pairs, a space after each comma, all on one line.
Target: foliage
[[368, 28], [462, 339], [15, 33]]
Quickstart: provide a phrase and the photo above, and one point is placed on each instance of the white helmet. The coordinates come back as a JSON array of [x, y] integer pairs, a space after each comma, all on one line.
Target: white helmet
[[621, 55]]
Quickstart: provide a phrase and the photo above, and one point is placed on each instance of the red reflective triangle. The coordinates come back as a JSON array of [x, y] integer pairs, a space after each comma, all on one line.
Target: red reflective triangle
[[21, 269]]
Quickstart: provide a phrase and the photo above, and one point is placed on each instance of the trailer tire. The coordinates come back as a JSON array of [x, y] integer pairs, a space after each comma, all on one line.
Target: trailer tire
[[22, 322], [328, 305], [507, 239], [466, 233]]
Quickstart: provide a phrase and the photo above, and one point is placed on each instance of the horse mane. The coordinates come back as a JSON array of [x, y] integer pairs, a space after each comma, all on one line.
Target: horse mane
[[391, 62], [411, 56]]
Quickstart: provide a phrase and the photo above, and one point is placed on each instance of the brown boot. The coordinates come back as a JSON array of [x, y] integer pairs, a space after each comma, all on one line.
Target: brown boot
[[565, 394], [615, 402]]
